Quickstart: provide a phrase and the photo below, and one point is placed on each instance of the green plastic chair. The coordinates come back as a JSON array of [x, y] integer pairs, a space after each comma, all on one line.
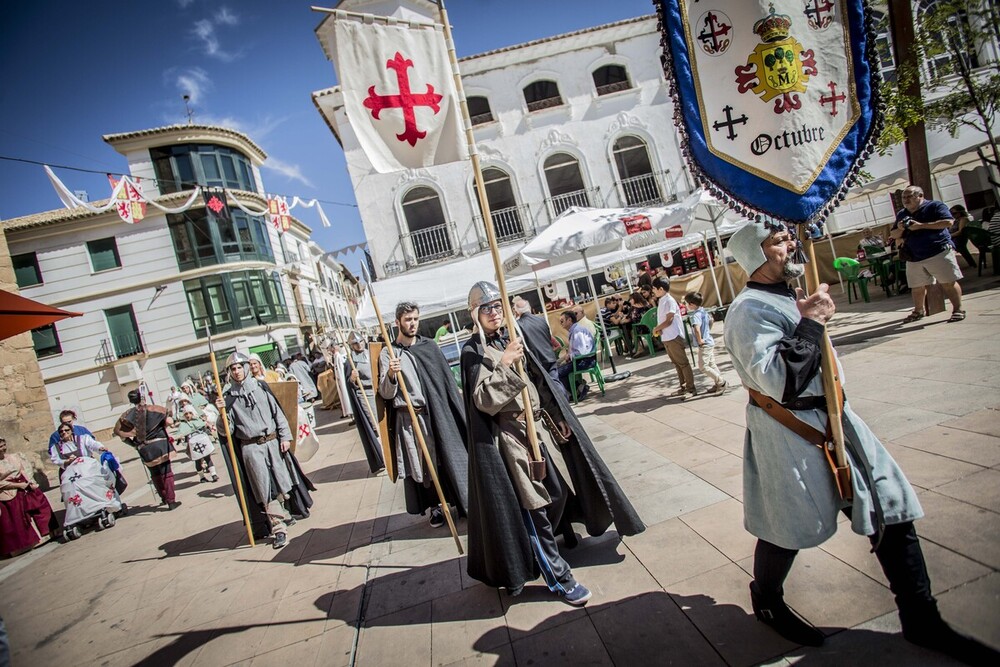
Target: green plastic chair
[[594, 371], [984, 244], [879, 266], [649, 321], [850, 269]]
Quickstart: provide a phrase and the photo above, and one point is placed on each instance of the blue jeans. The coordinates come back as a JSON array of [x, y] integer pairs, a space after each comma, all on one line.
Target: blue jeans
[[563, 371]]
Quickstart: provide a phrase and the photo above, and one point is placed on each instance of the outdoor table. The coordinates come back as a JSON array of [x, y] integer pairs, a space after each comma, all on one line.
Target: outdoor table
[[879, 264]]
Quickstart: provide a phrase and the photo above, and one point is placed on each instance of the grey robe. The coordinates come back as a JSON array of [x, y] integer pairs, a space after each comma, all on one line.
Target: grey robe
[[789, 496], [409, 460], [254, 412]]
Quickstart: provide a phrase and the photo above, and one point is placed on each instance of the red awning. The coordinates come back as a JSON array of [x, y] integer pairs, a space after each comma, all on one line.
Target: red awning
[[18, 314]]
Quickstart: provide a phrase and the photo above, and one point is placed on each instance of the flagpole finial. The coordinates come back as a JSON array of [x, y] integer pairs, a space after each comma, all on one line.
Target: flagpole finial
[[188, 109]]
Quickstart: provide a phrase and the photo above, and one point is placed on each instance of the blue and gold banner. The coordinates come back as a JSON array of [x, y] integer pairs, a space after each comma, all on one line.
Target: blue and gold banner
[[776, 101]]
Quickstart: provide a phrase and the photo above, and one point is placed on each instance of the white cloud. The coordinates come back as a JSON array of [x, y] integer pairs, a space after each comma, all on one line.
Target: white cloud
[[193, 82], [225, 16], [204, 30], [290, 171], [184, 4]]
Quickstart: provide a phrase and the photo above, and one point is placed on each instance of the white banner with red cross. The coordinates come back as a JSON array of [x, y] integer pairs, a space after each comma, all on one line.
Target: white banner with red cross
[[399, 93]]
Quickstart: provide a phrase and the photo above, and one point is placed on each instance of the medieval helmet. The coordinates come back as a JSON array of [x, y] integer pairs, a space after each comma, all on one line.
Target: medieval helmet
[[237, 358], [355, 337], [745, 245], [482, 293]]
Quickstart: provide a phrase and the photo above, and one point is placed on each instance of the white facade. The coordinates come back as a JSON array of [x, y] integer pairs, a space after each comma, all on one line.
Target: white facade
[[93, 369], [585, 126]]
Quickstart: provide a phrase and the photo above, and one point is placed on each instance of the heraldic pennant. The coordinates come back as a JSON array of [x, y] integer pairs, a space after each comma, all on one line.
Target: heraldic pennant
[[778, 99], [398, 91]]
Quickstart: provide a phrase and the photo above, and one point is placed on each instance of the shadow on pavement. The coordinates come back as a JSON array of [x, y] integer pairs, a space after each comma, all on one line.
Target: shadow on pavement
[[341, 472]]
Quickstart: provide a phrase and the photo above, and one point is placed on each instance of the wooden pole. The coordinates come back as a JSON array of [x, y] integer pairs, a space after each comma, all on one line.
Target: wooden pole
[[229, 441], [417, 432], [831, 380], [491, 237]]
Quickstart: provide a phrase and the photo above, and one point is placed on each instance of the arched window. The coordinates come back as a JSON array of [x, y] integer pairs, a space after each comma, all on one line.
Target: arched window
[[565, 182], [428, 228], [611, 79], [479, 110], [635, 172], [506, 214], [542, 95]]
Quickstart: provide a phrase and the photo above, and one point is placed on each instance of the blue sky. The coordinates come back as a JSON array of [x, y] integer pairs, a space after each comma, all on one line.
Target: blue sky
[[73, 71]]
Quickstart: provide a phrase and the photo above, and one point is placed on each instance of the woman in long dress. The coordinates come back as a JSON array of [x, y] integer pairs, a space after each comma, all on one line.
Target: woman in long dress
[[21, 504]]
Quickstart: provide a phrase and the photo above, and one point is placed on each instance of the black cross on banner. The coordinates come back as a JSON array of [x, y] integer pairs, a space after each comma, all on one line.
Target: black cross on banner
[[714, 29], [730, 122], [199, 448], [816, 12], [75, 476]]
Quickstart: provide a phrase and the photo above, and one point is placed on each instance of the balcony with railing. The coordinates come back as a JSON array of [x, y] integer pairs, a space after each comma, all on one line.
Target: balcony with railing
[[120, 346], [482, 118], [643, 190], [509, 224], [546, 103], [433, 243], [587, 198], [615, 87]]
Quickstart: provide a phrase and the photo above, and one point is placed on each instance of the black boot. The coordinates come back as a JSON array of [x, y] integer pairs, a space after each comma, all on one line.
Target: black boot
[[923, 626], [772, 610]]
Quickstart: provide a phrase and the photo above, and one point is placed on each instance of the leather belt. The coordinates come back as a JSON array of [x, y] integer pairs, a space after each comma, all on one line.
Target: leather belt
[[800, 403], [537, 414], [260, 440]]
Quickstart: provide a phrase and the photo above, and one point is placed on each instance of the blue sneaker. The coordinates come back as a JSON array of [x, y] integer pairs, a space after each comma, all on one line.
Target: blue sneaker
[[578, 595]]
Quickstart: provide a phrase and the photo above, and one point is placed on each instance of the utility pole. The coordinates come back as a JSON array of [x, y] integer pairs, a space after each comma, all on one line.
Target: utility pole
[[901, 28]]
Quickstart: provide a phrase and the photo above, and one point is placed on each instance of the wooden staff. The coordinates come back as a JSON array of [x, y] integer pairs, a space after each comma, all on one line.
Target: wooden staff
[[831, 377], [229, 441], [538, 469], [364, 395], [417, 432]]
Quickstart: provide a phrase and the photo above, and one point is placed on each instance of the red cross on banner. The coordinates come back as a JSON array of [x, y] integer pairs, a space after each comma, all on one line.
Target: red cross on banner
[[398, 92], [304, 431]]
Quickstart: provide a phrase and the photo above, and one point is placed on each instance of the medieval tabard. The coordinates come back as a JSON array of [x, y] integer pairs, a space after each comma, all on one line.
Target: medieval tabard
[[144, 427], [789, 495]]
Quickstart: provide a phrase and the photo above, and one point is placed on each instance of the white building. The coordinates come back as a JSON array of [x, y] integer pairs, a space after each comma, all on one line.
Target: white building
[[576, 119], [150, 292], [583, 118]]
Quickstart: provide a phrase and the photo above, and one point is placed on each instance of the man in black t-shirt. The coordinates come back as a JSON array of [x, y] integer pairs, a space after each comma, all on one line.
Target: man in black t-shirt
[[921, 230]]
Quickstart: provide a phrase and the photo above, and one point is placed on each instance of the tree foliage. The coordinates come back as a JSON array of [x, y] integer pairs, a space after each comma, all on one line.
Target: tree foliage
[[955, 49]]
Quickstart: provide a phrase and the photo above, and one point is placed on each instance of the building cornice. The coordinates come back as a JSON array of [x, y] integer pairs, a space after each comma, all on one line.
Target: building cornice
[[182, 134]]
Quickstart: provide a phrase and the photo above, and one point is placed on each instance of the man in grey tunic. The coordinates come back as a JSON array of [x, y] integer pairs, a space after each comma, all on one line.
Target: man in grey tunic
[[261, 433], [790, 498]]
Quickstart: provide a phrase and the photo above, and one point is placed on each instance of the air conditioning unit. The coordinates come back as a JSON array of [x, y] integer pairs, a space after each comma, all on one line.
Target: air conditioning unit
[[128, 372]]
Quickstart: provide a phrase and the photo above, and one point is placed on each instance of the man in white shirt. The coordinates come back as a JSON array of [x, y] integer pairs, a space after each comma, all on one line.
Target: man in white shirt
[[670, 328]]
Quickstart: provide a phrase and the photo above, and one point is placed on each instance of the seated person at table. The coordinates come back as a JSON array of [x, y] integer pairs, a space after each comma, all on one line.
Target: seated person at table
[[638, 306], [581, 341], [613, 315], [871, 240]]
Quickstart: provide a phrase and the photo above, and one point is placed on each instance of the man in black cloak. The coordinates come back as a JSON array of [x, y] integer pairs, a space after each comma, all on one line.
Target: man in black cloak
[[361, 404], [440, 413], [513, 516]]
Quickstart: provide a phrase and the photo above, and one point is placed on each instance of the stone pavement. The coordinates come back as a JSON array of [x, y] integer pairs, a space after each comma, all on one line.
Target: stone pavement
[[363, 581]]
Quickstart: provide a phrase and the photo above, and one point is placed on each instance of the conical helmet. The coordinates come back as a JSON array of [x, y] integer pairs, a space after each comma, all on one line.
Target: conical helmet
[[355, 337], [482, 293], [237, 358]]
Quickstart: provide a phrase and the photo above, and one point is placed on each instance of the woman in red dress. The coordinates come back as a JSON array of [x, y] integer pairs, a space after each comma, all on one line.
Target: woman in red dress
[[21, 503]]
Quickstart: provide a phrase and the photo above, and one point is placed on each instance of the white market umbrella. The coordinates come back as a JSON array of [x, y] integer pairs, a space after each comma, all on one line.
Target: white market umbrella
[[582, 232]]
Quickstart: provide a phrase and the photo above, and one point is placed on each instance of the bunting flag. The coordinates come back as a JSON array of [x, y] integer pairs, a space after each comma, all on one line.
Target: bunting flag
[[777, 102], [399, 92], [129, 202], [277, 211], [215, 201]]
